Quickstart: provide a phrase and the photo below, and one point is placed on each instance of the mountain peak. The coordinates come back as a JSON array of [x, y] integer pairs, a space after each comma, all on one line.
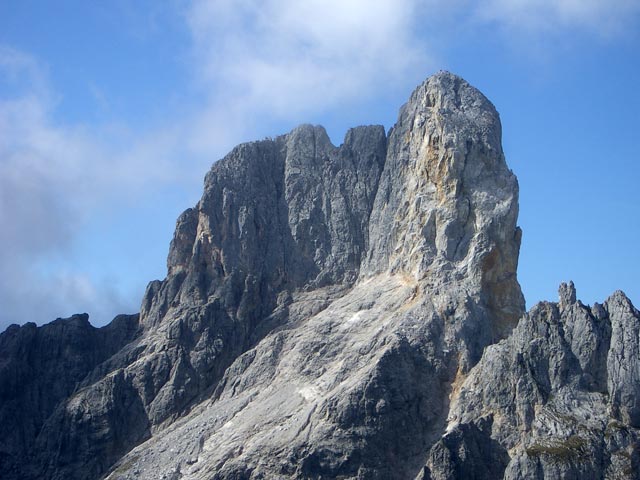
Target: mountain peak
[[336, 312]]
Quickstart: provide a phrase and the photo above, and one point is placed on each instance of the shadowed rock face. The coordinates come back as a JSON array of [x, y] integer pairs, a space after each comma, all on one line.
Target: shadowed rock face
[[323, 315], [39, 369]]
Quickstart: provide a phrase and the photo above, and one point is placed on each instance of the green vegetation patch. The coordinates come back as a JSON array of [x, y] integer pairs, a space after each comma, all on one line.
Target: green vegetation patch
[[573, 446]]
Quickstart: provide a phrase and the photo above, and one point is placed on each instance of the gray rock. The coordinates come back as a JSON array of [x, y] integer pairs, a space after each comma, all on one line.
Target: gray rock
[[40, 367], [623, 360], [340, 312], [559, 394], [276, 217], [398, 260]]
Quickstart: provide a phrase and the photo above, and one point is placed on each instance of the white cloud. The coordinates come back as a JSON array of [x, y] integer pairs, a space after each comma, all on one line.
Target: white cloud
[[285, 58], [290, 59], [553, 16], [21, 70], [53, 178], [27, 295]]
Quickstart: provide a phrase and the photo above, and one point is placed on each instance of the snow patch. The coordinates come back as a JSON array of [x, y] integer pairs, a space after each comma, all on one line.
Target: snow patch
[[309, 393], [355, 318]]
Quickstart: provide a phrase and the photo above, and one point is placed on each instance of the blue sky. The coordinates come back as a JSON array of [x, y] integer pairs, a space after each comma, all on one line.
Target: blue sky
[[112, 112]]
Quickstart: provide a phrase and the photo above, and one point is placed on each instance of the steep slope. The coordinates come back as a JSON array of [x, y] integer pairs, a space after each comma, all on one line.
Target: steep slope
[[376, 281], [39, 368], [276, 217], [334, 312]]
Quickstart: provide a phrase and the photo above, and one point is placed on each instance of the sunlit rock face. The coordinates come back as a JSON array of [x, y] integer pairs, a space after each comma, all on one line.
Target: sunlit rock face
[[557, 399], [343, 312]]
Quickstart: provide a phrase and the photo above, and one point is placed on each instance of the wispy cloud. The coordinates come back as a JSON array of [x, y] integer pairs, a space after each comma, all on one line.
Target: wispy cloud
[[53, 177], [289, 56], [22, 72], [606, 18], [284, 58]]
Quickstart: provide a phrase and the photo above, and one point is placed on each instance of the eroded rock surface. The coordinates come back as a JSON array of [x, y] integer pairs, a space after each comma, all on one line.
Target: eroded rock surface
[[39, 369], [365, 279], [560, 395], [334, 312]]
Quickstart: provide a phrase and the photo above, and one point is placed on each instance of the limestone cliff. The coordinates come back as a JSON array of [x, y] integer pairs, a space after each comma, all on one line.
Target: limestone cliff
[[341, 312], [557, 399]]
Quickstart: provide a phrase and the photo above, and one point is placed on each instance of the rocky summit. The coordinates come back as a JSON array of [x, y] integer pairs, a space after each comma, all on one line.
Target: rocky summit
[[345, 312]]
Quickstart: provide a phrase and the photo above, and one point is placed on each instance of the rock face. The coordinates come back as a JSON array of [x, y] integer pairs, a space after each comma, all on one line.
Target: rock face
[[337, 312], [557, 399], [39, 369]]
